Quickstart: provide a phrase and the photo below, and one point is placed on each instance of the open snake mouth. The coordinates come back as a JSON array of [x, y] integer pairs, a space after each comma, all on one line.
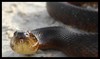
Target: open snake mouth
[[24, 43]]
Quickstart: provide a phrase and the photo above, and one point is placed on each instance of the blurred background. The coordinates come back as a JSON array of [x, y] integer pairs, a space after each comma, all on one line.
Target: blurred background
[[25, 16]]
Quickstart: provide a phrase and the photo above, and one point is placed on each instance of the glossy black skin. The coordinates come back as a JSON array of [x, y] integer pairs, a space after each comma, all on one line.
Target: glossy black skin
[[72, 44], [76, 16]]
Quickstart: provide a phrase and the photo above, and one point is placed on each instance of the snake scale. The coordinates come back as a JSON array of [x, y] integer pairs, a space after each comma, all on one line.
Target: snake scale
[[73, 44], [56, 37]]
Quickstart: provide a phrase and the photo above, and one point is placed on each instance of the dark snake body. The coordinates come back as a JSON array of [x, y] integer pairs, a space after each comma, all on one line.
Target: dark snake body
[[72, 44], [72, 15]]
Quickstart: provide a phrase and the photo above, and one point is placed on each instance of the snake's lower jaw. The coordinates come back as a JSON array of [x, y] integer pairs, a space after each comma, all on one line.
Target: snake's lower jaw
[[24, 47]]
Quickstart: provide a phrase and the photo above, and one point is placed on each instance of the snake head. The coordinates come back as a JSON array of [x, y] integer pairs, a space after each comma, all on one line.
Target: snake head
[[24, 42]]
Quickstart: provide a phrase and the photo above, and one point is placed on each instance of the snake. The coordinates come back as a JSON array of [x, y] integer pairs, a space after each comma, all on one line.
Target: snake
[[60, 38]]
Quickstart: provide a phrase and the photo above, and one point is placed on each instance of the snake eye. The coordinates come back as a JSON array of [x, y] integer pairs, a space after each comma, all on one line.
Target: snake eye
[[26, 34]]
